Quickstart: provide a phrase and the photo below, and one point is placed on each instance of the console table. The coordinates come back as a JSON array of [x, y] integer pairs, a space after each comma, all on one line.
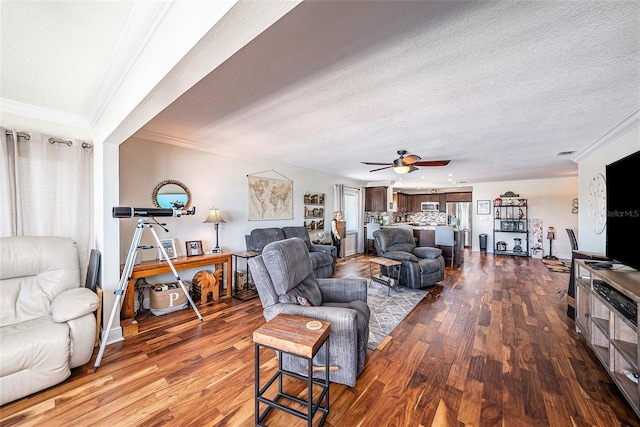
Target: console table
[[153, 268]]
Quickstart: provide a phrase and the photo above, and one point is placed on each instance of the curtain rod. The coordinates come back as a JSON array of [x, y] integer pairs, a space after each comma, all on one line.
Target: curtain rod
[[19, 134], [69, 143], [51, 140]]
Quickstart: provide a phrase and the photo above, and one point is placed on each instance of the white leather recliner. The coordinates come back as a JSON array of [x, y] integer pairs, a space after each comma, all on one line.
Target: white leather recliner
[[47, 324]]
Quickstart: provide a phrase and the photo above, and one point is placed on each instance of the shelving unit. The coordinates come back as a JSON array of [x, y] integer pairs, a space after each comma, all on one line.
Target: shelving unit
[[314, 212], [510, 223], [607, 317]]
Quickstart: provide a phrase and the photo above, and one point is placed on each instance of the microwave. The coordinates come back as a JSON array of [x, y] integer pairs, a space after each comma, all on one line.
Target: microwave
[[430, 206]]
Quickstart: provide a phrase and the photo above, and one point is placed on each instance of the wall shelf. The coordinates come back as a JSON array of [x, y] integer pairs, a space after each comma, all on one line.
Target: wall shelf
[[510, 227], [314, 212]]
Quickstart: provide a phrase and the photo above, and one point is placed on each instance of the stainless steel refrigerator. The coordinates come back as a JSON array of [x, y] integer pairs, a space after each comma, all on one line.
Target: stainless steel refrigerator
[[459, 214]]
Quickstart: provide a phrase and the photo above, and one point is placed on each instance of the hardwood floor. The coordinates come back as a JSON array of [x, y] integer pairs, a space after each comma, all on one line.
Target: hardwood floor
[[495, 349]]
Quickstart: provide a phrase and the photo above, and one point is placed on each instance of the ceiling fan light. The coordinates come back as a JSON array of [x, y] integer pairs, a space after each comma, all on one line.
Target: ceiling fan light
[[399, 166], [401, 169]]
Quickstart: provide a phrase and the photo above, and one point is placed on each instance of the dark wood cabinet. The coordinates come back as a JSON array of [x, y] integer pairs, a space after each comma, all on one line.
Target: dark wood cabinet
[[375, 199], [403, 202], [459, 197], [408, 203], [414, 203]]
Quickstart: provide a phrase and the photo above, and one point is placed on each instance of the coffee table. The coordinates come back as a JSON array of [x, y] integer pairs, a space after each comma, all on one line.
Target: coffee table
[[387, 263]]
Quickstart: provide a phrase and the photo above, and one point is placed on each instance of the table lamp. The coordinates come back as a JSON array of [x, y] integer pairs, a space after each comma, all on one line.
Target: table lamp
[[216, 218]]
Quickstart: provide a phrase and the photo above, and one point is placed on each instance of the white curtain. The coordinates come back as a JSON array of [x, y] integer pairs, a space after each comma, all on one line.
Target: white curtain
[[338, 198], [46, 188], [360, 242]]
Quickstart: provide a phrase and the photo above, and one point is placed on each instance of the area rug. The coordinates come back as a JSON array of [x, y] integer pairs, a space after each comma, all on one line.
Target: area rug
[[387, 311], [557, 266]]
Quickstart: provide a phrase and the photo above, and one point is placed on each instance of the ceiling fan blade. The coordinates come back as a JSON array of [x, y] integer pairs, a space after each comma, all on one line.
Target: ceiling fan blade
[[379, 169], [432, 163], [411, 158], [375, 163], [412, 168]]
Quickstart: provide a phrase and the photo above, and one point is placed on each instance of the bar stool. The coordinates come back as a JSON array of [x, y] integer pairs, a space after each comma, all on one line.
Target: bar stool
[[371, 247]]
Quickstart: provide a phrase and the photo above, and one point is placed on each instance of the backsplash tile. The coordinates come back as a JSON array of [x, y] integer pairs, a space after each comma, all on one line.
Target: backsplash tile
[[428, 218]]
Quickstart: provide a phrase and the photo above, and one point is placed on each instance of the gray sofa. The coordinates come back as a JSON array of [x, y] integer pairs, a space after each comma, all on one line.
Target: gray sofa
[[323, 257], [421, 266], [283, 275], [47, 325]]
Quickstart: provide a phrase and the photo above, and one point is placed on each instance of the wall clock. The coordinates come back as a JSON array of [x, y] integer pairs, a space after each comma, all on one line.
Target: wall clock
[[598, 203]]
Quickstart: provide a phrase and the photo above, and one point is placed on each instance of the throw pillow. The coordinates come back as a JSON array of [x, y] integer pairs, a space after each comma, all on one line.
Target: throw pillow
[[308, 289], [303, 301]]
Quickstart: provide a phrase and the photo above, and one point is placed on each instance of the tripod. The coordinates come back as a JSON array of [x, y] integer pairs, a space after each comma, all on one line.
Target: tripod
[[126, 275]]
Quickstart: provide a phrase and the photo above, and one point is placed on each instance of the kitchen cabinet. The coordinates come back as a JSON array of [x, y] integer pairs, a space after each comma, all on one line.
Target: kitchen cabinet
[[375, 199], [459, 197], [442, 200], [403, 202], [415, 201], [410, 203]]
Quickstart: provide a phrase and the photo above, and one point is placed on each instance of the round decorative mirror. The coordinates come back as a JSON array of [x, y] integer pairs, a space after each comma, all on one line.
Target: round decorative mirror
[[171, 194]]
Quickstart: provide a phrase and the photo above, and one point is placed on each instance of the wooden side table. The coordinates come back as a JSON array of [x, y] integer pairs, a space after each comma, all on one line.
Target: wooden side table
[[153, 268], [247, 290], [387, 263], [298, 336]]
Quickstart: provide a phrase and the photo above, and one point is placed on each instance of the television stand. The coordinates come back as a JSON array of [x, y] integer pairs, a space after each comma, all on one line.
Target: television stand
[[604, 265], [607, 317]]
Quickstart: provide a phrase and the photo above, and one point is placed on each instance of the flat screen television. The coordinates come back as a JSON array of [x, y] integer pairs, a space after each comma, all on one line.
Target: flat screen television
[[623, 210]]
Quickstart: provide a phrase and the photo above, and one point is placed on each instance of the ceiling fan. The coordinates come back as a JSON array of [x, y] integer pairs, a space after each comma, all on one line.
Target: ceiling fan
[[406, 164]]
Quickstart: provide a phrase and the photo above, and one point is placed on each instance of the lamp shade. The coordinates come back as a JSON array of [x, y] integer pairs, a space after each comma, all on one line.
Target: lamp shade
[[214, 216]]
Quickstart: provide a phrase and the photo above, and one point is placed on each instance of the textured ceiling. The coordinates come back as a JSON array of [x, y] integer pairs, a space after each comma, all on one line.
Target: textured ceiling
[[54, 53], [499, 88]]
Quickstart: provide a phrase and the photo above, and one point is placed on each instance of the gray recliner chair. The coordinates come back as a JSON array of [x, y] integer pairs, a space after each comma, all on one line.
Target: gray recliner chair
[[285, 283], [421, 266], [323, 257]]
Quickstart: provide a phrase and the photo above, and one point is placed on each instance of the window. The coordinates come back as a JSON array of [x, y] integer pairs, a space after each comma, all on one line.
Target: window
[[351, 209]]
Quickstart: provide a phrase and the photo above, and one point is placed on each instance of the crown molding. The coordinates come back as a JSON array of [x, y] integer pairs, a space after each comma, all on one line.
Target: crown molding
[[141, 25], [171, 140], [194, 145], [629, 122], [40, 113]]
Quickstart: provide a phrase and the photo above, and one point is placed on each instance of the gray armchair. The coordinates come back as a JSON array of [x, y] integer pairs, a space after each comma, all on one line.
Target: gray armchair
[[421, 266], [284, 280]]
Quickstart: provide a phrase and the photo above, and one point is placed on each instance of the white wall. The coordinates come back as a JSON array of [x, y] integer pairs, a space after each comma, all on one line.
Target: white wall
[[214, 180], [548, 199], [617, 147]]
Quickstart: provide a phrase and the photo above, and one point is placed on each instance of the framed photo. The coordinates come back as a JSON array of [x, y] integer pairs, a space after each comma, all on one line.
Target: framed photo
[[484, 207], [169, 246], [194, 247]]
